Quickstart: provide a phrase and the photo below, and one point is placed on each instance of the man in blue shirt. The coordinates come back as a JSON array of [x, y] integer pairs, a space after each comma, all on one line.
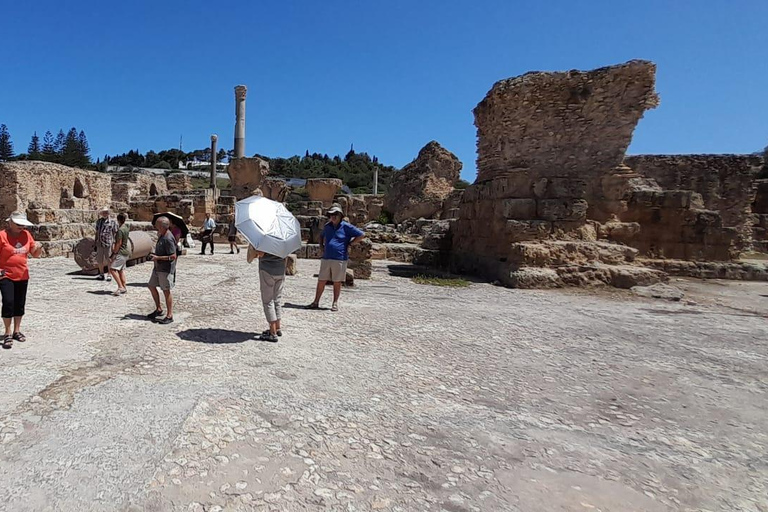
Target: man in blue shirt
[[338, 235]]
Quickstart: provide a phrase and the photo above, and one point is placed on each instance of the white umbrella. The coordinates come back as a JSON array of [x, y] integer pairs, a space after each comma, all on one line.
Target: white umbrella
[[268, 226]]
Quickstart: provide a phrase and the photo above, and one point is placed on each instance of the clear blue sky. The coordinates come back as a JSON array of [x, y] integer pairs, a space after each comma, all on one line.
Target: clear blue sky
[[388, 76]]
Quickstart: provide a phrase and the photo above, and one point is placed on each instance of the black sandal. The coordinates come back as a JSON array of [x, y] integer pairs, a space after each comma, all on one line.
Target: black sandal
[[19, 337], [7, 341]]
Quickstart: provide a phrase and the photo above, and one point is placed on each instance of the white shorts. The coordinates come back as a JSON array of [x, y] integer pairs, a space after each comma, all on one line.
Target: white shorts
[[119, 262]]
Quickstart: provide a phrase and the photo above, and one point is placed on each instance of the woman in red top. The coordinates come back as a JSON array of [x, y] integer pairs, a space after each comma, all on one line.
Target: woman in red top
[[16, 245]]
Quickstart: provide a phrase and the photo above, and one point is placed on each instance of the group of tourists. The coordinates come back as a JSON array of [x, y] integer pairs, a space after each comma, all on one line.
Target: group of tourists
[[112, 250]]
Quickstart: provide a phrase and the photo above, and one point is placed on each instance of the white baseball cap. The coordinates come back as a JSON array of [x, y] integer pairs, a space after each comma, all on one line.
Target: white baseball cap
[[20, 219]]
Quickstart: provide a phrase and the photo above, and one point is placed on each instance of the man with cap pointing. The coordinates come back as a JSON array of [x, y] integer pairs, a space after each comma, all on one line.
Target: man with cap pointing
[[337, 236]]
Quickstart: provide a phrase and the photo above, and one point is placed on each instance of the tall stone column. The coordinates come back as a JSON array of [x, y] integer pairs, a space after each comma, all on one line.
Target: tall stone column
[[376, 180], [240, 92], [214, 141]]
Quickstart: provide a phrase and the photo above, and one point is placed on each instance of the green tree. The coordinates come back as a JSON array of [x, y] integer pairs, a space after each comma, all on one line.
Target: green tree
[[49, 152], [6, 146], [58, 144], [34, 149], [70, 153], [84, 150]]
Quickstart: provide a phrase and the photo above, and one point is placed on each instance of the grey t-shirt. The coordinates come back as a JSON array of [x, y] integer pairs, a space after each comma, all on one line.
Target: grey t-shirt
[[166, 246], [272, 265]]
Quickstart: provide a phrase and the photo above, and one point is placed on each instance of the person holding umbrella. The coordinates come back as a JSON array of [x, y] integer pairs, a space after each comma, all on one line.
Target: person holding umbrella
[[271, 282], [178, 228], [273, 233]]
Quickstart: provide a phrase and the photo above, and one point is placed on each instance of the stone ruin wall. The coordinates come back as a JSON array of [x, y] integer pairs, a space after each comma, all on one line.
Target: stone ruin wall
[[45, 189], [726, 183], [131, 185], [542, 138]]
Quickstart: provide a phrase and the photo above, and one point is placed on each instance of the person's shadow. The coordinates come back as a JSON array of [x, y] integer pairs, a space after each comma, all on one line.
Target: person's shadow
[[288, 305], [215, 336], [99, 292]]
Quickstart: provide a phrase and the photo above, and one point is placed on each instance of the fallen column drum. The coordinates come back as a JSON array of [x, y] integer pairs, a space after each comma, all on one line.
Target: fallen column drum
[[140, 243]]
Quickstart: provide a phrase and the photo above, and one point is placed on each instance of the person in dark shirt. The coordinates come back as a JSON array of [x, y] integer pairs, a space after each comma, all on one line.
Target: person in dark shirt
[[164, 273], [337, 236]]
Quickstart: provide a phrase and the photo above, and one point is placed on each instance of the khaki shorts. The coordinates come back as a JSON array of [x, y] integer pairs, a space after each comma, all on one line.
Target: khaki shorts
[[119, 262], [162, 280], [333, 270], [102, 256]]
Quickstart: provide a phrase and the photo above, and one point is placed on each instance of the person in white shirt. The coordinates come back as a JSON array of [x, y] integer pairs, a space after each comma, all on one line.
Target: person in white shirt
[[207, 237]]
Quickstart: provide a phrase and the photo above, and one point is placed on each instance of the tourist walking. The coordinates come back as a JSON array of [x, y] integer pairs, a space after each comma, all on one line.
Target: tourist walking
[[121, 251], [209, 225], [164, 274], [232, 236], [337, 236], [106, 229], [16, 246], [271, 281]]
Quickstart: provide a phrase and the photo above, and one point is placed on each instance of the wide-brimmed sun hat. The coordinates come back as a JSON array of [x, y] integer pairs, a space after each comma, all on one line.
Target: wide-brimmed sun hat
[[336, 209], [20, 219], [105, 209]]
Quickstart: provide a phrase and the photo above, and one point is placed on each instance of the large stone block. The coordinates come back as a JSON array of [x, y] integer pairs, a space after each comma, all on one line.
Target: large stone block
[[562, 209], [421, 187], [516, 209], [246, 175], [323, 190]]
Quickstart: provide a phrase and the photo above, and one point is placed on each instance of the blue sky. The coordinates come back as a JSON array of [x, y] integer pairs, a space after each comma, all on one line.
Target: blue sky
[[388, 76]]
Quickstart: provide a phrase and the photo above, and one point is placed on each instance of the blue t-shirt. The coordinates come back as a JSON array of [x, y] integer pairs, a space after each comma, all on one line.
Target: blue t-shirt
[[337, 240]]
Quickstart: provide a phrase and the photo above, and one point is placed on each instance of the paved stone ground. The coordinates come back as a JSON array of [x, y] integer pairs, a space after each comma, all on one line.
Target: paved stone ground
[[411, 397]]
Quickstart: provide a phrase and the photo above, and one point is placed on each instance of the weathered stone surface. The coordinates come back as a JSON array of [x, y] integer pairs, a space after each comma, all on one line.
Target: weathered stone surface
[[544, 139], [323, 190], [274, 189], [659, 291], [421, 187], [562, 124], [129, 185], [738, 271], [725, 182], [178, 182], [246, 175], [44, 185]]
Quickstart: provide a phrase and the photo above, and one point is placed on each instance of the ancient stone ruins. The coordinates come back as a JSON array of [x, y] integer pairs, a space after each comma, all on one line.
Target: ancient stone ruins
[[557, 202]]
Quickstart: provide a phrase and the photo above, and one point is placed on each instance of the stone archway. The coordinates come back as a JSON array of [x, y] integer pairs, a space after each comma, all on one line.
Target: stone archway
[[153, 190]]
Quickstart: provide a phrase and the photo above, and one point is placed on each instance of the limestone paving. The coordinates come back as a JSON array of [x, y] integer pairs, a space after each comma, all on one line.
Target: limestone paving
[[411, 397]]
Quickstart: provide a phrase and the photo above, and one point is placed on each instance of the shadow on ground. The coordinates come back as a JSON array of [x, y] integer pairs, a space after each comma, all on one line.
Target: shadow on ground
[[99, 292], [215, 336], [289, 305], [410, 271]]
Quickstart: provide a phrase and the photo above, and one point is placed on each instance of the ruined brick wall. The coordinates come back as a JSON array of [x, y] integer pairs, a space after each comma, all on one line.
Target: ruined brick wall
[[129, 185], [562, 124], [726, 183], [542, 138], [178, 182], [44, 185]]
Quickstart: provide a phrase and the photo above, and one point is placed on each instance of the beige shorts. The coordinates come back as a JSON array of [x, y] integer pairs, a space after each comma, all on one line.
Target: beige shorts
[[162, 280], [102, 256], [333, 270]]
